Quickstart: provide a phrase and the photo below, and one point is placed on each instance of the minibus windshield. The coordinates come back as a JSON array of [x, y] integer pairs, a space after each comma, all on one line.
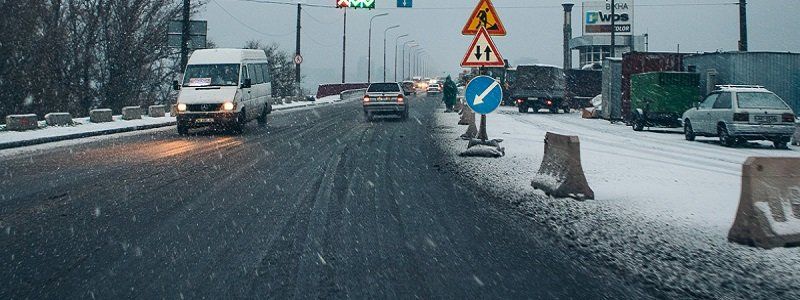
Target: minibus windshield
[[212, 75]]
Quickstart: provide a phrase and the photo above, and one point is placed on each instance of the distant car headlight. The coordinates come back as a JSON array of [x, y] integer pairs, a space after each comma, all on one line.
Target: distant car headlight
[[228, 106], [181, 106]]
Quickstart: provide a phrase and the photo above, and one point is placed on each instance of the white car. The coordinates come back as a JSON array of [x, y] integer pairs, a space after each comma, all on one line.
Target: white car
[[736, 114], [228, 87], [385, 98], [434, 88]]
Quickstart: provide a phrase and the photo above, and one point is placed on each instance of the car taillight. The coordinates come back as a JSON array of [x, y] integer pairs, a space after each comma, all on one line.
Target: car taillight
[[788, 117], [366, 98], [549, 102], [741, 117], [400, 98], [520, 101]]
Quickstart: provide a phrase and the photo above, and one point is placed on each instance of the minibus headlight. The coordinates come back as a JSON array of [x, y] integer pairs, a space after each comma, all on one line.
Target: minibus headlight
[[181, 106], [228, 106]]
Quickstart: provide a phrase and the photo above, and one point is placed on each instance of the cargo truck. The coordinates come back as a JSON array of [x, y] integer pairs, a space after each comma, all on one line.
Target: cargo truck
[[538, 87]]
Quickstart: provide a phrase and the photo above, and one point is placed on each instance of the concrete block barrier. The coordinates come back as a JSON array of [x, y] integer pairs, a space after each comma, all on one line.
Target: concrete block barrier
[[22, 122], [466, 115], [100, 115], [472, 129], [769, 206], [58, 119], [157, 111], [796, 138], [561, 173], [131, 113], [352, 94]]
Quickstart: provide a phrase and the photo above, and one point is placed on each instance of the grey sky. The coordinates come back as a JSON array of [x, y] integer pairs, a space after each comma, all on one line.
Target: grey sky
[[534, 30]]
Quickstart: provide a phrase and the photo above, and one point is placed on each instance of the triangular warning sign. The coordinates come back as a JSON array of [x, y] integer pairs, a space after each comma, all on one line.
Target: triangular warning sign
[[482, 52], [484, 16]]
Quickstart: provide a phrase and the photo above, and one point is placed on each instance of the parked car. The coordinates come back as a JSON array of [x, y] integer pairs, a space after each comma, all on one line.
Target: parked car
[[227, 87], [736, 114], [385, 98], [434, 88]]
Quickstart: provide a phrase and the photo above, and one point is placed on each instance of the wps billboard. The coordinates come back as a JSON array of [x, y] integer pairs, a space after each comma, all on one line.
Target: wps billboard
[[597, 17]]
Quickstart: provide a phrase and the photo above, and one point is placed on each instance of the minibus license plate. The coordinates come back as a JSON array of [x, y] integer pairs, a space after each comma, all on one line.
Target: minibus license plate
[[204, 120]]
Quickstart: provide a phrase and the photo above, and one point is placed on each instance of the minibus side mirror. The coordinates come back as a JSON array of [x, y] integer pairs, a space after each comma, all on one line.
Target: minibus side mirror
[[176, 86], [247, 83]]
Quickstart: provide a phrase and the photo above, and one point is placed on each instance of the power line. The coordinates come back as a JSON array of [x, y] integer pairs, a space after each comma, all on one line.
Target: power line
[[248, 26]]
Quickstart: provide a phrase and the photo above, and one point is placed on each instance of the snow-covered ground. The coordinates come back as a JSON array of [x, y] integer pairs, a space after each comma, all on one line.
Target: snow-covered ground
[[83, 127], [663, 205]]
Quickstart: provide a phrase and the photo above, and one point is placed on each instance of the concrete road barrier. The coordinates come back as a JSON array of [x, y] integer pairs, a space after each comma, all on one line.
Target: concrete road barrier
[[472, 129], [58, 119], [467, 116], [131, 113], [22, 122], [157, 111], [796, 138], [769, 205], [561, 173], [100, 115]]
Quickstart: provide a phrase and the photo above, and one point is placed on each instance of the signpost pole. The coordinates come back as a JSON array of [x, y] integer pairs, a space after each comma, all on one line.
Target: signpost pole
[[613, 29], [344, 46]]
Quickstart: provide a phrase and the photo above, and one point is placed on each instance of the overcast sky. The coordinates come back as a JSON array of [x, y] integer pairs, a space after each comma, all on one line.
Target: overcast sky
[[534, 30]]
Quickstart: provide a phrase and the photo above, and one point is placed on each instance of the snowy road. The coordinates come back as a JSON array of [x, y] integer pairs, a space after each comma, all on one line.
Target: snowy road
[[663, 205], [317, 204]]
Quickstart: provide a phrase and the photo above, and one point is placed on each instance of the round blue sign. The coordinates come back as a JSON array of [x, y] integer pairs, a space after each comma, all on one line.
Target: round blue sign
[[484, 94]]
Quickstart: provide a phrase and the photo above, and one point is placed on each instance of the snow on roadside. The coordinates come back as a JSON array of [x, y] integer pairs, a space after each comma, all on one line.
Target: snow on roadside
[[82, 125], [663, 210]]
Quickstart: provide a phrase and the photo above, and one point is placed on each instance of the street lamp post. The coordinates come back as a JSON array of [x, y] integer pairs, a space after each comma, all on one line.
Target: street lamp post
[[385, 31], [396, 40], [403, 66], [410, 49], [369, 47]]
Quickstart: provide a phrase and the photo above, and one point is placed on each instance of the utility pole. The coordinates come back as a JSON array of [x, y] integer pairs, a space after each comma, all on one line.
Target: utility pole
[[344, 45], [185, 35], [297, 52], [613, 29], [742, 25]]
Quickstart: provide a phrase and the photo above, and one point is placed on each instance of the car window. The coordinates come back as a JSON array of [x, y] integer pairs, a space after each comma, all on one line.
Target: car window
[[760, 100], [383, 88], [709, 102], [245, 74], [723, 101], [217, 74]]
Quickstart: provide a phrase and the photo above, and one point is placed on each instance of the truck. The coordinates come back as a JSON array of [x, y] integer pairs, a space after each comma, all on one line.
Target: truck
[[658, 99], [538, 87]]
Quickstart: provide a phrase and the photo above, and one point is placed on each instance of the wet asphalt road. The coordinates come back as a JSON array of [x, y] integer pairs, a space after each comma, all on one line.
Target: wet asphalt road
[[317, 204]]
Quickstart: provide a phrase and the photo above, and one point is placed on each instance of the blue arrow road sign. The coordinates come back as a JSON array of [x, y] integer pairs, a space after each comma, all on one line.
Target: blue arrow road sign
[[484, 94], [405, 3]]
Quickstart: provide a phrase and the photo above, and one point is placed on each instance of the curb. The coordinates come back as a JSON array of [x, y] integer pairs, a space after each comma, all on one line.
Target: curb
[[81, 135]]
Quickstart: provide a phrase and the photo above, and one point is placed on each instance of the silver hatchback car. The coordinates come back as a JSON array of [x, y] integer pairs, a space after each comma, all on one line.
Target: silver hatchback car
[[737, 114]]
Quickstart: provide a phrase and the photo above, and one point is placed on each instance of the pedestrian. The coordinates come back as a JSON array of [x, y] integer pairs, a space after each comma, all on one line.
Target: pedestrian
[[450, 92]]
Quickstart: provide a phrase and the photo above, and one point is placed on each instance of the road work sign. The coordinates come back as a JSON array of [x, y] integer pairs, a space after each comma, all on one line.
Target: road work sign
[[483, 94], [482, 52], [484, 16]]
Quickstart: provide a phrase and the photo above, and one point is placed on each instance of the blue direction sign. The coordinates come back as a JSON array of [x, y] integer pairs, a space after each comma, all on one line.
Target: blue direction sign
[[405, 3], [484, 94]]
